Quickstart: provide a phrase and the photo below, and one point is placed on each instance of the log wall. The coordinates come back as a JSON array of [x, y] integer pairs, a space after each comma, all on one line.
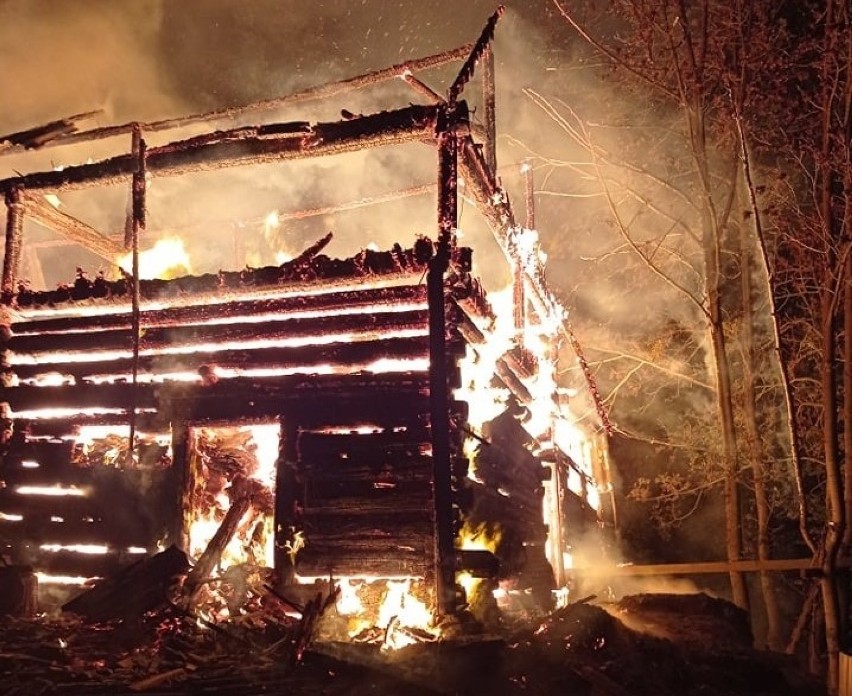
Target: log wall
[[343, 366]]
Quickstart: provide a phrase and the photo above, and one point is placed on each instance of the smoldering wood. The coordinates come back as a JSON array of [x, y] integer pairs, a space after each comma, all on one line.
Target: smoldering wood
[[244, 492], [333, 523], [481, 45], [347, 357], [384, 406], [303, 275], [402, 563], [489, 108], [45, 134], [137, 589], [71, 228], [157, 338], [310, 94], [14, 238], [357, 448], [244, 146], [210, 313], [384, 468], [288, 500], [369, 490], [80, 397]]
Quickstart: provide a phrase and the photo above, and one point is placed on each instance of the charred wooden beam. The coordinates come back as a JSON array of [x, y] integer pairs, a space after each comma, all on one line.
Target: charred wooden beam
[[481, 45], [14, 238], [346, 357], [489, 109], [244, 492], [137, 589], [211, 313], [310, 94], [45, 134], [71, 228], [290, 277], [81, 397], [403, 562], [360, 523], [254, 145], [354, 325], [444, 539], [288, 500]]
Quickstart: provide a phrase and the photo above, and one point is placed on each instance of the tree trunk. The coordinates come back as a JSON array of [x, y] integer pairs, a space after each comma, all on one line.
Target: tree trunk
[[835, 509], [755, 448], [724, 404]]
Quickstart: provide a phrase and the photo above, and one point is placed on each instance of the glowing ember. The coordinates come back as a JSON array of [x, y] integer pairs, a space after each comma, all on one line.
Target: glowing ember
[[30, 464], [90, 549], [166, 259], [56, 490], [6, 517], [291, 342]]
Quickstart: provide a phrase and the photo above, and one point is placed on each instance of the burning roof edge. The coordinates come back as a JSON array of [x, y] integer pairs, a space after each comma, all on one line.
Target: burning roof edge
[[309, 267]]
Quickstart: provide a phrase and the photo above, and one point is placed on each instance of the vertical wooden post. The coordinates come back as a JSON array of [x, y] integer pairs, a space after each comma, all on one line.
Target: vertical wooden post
[[445, 557], [14, 235], [489, 104], [180, 481], [286, 495], [137, 227], [529, 194]]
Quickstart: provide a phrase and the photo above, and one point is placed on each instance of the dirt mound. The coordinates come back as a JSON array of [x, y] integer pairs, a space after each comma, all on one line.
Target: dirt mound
[[694, 620]]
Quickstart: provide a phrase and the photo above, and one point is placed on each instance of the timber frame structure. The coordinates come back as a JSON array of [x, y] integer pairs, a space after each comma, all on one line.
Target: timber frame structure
[[450, 293]]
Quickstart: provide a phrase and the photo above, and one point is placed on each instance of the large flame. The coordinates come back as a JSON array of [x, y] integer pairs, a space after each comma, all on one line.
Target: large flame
[[166, 259]]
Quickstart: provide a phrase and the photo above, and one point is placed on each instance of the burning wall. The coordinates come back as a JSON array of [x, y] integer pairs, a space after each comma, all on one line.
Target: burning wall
[[419, 439]]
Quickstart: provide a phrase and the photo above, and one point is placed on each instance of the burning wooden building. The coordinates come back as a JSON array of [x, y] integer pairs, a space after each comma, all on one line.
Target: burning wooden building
[[379, 418]]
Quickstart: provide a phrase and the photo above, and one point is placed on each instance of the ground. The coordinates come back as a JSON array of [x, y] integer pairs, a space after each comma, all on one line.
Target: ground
[[644, 644]]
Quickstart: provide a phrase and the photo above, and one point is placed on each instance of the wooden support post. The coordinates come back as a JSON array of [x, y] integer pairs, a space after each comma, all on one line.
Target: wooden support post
[[179, 482], [529, 194], [286, 498], [137, 228], [490, 110], [445, 561], [14, 235]]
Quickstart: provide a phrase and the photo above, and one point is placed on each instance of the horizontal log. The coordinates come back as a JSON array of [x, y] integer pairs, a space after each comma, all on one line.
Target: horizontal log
[[56, 430], [337, 564], [384, 469], [79, 564], [242, 146], [346, 357], [45, 506], [306, 409], [210, 313], [81, 397], [368, 525], [281, 388], [329, 491], [369, 505], [39, 529], [160, 337], [306, 274], [358, 446]]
